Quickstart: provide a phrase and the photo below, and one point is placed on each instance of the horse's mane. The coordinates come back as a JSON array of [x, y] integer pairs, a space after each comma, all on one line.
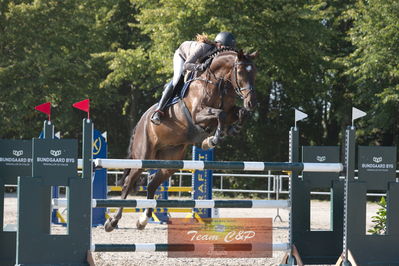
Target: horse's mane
[[218, 51]]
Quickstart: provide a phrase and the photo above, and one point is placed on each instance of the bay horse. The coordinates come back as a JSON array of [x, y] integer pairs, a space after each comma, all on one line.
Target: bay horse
[[204, 115]]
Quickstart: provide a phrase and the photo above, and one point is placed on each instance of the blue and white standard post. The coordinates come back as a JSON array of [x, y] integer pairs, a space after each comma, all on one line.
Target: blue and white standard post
[[202, 181], [100, 148]]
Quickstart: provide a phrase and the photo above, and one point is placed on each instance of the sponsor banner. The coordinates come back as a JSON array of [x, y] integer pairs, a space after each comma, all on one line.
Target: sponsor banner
[[53, 157], [318, 154], [220, 237], [15, 158], [377, 163]]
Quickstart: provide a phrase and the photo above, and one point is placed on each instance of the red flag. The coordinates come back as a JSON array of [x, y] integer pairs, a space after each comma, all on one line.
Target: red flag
[[44, 108], [84, 106]]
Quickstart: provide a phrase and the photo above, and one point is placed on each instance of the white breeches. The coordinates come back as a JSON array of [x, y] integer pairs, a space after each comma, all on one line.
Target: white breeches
[[178, 63]]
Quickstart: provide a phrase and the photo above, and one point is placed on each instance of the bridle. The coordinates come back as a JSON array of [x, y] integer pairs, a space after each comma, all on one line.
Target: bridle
[[238, 90]]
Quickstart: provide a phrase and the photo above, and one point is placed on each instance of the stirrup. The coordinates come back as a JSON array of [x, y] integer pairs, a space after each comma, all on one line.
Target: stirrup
[[156, 117]]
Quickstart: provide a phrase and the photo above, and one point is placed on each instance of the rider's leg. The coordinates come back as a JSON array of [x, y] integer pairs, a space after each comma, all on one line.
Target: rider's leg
[[166, 94], [178, 63]]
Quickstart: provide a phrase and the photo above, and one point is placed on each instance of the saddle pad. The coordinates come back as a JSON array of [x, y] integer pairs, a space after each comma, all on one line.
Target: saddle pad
[[182, 93]]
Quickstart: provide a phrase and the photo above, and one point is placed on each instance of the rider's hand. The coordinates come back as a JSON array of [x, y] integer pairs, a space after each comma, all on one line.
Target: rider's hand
[[204, 66], [208, 62], [200, 67]]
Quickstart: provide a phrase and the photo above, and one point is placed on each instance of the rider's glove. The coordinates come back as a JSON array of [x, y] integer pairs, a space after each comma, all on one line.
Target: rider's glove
[[200, 67], [204, 66]]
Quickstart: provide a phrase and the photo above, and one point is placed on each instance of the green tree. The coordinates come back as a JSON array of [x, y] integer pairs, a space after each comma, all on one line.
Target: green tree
[[374, 66], [45, 56], [52, 51], [331, 113], [126, 89]]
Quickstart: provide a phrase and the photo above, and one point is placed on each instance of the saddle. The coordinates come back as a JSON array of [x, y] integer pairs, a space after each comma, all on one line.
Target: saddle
[[180, 90]]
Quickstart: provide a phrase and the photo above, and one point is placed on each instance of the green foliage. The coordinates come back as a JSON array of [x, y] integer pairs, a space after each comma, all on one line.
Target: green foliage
[[374, 64], [45, 56], [380, 219]]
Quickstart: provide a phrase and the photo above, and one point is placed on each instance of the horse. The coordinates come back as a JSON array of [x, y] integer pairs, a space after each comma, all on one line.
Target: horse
[[205, 115]]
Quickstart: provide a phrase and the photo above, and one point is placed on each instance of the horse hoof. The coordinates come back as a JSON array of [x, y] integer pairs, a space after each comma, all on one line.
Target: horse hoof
[[139, 225], [108, 225], [207, 144]]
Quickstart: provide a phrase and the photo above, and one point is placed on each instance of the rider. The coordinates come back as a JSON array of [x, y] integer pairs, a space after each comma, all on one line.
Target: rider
[[186, 59]]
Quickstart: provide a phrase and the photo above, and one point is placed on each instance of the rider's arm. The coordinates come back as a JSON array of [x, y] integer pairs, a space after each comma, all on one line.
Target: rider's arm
[[190, 64], [197, 51]]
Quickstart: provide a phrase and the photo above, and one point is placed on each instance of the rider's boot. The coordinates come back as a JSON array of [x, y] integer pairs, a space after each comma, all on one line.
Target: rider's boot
[[166, 94]]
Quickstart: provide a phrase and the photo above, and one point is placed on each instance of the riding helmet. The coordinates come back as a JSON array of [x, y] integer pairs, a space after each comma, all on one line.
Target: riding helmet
[[226, 39]]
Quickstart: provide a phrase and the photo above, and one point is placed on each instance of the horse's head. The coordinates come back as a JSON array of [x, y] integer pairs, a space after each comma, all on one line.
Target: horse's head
[[238, 70], [243, 79]]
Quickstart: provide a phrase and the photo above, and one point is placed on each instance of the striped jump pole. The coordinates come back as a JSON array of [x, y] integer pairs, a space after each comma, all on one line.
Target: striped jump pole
[[151, 203], [158, 210], [152, 247], [215, 165], [162, 189]]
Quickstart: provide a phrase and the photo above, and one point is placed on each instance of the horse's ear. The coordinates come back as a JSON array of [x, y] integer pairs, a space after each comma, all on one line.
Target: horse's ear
[[254, 55], [240, 54]]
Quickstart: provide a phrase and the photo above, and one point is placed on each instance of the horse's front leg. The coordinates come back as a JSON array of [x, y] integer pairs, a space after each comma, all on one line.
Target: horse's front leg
[[236, 120], [208, 114]]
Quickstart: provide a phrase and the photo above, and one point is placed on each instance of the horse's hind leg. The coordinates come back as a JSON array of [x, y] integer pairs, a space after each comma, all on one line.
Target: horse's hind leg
[[172, 153], [159, 177], [128, 185]]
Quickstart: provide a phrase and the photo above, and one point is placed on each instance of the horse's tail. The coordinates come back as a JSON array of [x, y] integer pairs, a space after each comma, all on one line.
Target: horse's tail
[[126, 171]]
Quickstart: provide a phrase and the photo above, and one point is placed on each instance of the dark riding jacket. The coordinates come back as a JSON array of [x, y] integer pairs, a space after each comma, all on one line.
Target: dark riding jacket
[[192, 51]]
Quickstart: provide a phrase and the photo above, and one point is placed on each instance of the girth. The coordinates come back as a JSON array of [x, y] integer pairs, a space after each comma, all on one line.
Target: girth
[[195, 133]]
